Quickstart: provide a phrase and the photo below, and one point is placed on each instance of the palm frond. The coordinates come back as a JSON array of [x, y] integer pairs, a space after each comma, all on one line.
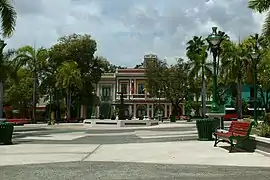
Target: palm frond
[[259, 5], [266, 26], [8, 16], [208, 71]]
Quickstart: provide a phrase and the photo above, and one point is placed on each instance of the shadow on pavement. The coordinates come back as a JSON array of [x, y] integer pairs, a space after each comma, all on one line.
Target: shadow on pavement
[[236, 149]]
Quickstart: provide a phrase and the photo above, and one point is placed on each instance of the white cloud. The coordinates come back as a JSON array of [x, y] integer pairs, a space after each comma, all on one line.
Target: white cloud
[[127, 29]]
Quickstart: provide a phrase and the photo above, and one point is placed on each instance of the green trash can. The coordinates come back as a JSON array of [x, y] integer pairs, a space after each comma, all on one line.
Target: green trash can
[[173, 119], [6, 132], [205, 128]]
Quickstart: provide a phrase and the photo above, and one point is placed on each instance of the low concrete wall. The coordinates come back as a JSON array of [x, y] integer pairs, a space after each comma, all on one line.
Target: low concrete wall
[[120, 123], [262, 143]]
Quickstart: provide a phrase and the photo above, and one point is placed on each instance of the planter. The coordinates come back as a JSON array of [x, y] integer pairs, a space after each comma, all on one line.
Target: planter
[[205, 128], [6, 132]]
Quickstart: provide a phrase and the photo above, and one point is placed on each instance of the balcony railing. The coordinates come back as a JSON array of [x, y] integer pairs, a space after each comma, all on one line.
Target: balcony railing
[[106, 98], [139, 96]]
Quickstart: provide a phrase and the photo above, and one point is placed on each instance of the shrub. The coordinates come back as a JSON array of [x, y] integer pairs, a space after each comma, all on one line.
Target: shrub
[[267, 119], [264, 130]]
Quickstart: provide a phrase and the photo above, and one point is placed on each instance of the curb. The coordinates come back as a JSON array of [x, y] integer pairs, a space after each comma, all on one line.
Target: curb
[[262, 153]]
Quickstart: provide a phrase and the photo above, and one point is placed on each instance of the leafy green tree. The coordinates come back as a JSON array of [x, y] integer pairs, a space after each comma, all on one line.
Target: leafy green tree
[[81, 49], [138, 66], [106, 66], [19, 91], [68, 77], [8, 69], [264, 78], [171, 81]]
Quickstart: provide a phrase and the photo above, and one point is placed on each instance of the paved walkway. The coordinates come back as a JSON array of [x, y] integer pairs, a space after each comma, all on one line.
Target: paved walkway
[[184, 152], [130, 171], [86, 126], [159, 153]]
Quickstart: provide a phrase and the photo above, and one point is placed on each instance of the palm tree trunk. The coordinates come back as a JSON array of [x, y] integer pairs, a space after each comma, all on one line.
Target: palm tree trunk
[[68, 104], [1, 99], [239, 102], [34, 97], [267, 101], [203, 94]]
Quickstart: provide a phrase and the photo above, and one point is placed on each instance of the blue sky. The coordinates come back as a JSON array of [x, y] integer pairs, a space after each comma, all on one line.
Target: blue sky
[[126, 30]]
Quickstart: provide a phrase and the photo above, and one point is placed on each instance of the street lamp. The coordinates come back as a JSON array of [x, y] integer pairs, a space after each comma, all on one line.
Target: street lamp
[[93, 105], [255, 57], [188, 104], [214, 40], [159, 112], [2, 46]]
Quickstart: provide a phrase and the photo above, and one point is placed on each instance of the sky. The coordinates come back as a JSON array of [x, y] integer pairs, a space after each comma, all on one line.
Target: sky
[[126, 30]]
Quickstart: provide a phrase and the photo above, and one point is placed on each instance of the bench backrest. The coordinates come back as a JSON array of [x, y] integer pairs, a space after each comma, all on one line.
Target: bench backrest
[[241, 128]]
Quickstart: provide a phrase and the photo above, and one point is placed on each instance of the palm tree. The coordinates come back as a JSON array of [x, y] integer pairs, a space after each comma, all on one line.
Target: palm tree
[[262, 6], [237, 65], [233, 67], [8, 68], [68, 77], [200, 65], [8, 22], [35, 60], [197, 53]]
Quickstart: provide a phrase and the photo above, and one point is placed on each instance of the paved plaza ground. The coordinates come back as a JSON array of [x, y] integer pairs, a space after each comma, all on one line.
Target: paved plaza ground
[[164, 152]]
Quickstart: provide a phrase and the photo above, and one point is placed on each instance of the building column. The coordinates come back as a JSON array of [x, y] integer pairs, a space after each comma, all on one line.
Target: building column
[[130, 109], [148, 110], [82, 115], [130, 84], [135, 86], [183, 109], [152, 113], [97, 112], [117, 86], [98, 91], [165, 109], [113, 92], [134, 110], [170, 109]]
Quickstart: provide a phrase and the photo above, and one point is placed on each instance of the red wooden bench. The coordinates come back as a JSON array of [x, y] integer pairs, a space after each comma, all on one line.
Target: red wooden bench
[[238, 131]]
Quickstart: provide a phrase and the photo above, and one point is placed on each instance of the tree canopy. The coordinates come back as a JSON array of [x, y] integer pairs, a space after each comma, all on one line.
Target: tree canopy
[[170, 81]]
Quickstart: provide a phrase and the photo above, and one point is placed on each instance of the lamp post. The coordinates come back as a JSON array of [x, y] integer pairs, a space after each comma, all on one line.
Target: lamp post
[[214, 40], [255, 57], [50, 107], [159, 113], [93, 105], [2, 46], [188, 105]]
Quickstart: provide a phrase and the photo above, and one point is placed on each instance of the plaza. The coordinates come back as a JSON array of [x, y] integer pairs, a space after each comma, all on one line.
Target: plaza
[[163, 152], [135, 90]]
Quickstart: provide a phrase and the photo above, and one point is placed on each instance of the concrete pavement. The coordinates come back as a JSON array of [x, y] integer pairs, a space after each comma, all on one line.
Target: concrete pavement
[[184, 152], [105, 136], [130, 171], [186, 160], [155, 153]]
